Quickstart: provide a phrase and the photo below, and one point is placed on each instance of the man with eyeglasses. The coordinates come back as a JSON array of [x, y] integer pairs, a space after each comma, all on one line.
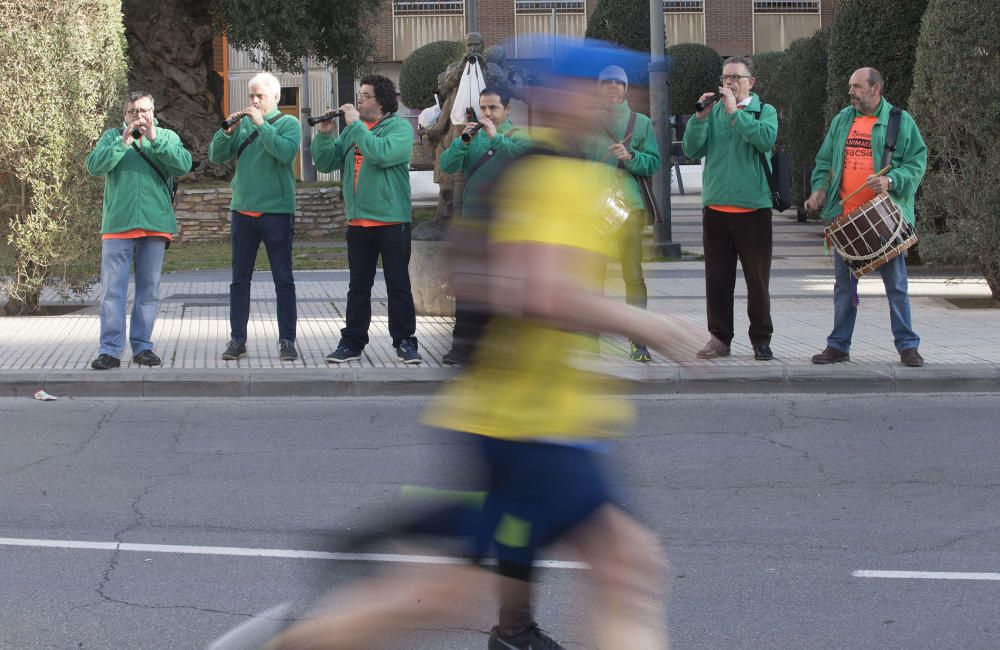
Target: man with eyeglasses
[[736, 219], [138, 162], [373, 156]]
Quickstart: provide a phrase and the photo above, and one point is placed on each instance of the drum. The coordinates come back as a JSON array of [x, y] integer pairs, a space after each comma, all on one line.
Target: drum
[[871, 235]]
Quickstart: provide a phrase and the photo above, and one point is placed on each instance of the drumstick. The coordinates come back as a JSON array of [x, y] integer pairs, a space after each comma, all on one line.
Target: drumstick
[[881, 172], [608, 155]]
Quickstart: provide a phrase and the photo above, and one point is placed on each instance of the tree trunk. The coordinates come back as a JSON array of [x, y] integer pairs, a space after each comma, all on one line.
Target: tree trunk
[[170, 52], [991, 272]]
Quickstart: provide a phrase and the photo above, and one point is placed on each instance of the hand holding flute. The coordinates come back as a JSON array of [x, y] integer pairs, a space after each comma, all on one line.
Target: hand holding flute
[[254, 113]]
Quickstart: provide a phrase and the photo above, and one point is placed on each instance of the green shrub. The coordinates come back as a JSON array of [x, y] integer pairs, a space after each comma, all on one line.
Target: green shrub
[[419, 72], [956, 100], [803, 97], [881, 34], [695, 70], [625, 22], [63, 66], [767, 72]]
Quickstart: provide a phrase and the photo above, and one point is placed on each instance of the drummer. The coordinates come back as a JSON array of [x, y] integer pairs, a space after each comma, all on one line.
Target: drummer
[[854, 148]]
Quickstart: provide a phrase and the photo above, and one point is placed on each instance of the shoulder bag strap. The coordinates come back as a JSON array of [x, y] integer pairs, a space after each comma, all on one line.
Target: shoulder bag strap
[[254, 135], [629, 128], [171, 186], [891, 132], [483, 159], [772, 183]]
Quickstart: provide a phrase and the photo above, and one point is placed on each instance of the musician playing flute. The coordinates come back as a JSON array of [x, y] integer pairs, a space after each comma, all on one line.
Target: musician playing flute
[[731, 135], [263, 142], [854, 147]]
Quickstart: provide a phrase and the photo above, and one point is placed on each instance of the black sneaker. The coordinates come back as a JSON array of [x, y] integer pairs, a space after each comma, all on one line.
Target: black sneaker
[[639, 352], [234, 350], [287, 351], [407, 351], [531, 639], [105, 362], [456, 356], [343, 353], [146, 358]]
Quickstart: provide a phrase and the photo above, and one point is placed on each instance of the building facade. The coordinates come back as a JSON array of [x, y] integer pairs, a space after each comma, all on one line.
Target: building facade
[[730, 27]]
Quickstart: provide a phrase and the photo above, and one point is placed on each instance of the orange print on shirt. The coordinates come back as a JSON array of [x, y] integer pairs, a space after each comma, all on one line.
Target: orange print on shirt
[[858, 163]]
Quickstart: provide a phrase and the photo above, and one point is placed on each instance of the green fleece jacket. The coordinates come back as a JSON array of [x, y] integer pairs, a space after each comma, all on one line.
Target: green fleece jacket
[[264, 180], [463, 155], [643, 145], [134, 196], [731, 146], [909, 161], [383, 182]]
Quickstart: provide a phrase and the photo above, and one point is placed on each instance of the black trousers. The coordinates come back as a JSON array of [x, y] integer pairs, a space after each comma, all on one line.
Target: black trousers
[[365, 245], [470, 320], [729, 237]]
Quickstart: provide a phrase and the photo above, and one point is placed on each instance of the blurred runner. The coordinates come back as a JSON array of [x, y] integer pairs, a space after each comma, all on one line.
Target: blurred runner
[[531, 408]]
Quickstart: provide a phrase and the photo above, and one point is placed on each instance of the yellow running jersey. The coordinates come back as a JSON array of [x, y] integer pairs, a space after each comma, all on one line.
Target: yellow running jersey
[[523, 384]]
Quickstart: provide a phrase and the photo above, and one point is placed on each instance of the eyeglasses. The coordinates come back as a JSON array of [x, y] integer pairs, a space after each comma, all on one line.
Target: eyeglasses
[[733, 77], [365, 96], [135, 112]]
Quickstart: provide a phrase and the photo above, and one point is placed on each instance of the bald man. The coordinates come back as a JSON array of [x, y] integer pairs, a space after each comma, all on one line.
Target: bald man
[[854, 148]]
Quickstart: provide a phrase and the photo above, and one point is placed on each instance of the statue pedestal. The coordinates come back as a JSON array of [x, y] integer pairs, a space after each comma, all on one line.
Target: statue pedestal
[[429, 279]]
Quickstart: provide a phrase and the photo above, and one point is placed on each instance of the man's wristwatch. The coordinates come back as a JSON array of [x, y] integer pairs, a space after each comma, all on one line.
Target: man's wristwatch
[[631, 155]]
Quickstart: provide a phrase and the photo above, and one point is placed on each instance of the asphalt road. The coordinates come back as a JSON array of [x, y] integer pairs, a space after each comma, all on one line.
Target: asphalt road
[[767, 506]]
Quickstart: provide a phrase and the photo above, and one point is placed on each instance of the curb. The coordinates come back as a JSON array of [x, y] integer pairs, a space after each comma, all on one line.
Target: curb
[[361, 382]]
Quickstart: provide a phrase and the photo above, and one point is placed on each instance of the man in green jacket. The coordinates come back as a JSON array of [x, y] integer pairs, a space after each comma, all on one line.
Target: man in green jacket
[[736, 219], [481, 152], [373, 156], [264, 143], [854, 148], [138, 162], [630, 145]]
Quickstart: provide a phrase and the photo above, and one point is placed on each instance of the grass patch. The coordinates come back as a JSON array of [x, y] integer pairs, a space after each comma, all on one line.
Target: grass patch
[[214, 255]]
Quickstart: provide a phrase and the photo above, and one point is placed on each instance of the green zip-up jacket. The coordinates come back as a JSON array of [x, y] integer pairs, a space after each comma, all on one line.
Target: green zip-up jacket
[[909, 161], [134, 196], [463, 155], [731, 146], [383, 182], [643, 145], [264, 180]]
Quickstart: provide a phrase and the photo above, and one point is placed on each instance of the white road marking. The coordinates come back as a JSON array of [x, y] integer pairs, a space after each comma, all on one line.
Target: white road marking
[[927, 575], [261, 552]]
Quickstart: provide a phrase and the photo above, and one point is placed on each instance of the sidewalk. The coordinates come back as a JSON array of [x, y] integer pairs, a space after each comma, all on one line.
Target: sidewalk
[[962, 346]]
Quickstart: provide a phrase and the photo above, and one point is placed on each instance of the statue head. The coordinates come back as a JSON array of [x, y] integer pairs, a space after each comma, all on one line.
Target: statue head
[[474, 43], [496, 54]]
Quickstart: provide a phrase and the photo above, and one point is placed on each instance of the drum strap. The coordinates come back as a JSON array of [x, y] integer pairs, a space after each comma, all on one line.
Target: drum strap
[[891, 132]]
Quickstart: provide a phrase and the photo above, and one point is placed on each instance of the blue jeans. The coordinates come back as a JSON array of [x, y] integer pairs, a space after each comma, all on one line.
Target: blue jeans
[[275, 230], [117, 256], [845, 311]]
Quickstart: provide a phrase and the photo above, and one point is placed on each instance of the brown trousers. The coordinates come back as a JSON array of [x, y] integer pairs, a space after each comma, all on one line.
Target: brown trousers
[[729, 237]]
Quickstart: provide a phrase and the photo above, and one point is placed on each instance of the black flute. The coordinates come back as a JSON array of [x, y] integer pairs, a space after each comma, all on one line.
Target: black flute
[[313, 121]]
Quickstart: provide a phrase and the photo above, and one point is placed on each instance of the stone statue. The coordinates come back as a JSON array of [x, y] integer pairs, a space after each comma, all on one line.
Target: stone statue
[[493, 63]]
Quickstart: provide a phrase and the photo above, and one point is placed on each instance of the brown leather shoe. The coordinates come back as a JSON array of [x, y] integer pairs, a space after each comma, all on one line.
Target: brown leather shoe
[[911, 358], [713, 349], [830, 355]]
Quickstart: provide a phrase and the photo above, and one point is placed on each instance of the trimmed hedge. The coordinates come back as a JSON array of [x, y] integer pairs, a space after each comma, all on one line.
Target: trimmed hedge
[[625, 22], [881, 34], [419, 72], [803, 87], [696, 70], [956, 100]]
